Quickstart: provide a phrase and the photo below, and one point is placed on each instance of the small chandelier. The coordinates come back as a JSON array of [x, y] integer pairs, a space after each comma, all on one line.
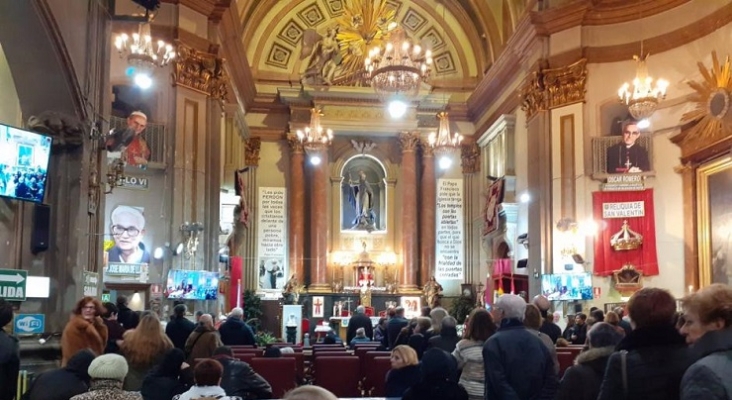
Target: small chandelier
[[399, 68], [642, 99], [314, 137], [443, 141], [141, 50]]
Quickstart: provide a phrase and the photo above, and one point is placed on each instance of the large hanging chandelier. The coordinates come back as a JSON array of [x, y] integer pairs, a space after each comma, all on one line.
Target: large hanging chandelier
[[141, 50], [643, 97], [314, 137], [443, 141], [399, 68]]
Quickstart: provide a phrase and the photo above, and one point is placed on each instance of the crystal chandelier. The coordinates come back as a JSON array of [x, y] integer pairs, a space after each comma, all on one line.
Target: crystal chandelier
[[443, 141], [314, 136], [643, 97], [399, 68], [141, 50]]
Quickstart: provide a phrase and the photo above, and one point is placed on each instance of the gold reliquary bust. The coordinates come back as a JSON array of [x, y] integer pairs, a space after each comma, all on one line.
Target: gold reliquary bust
[[626, 239], [627, 280]]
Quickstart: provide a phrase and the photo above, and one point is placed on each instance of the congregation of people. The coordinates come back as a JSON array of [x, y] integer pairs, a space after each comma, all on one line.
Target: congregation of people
[[649, 352]]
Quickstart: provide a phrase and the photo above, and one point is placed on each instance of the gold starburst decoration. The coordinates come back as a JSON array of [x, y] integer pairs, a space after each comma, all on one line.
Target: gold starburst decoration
[[712, 98], [364, 24]]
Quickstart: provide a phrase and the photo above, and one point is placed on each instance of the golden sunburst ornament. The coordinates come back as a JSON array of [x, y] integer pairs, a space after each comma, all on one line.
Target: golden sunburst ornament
[[712, 112], [364, 24]]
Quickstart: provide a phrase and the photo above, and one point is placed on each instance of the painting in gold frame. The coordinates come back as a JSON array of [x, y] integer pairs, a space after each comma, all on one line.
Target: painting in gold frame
[[714, 218]]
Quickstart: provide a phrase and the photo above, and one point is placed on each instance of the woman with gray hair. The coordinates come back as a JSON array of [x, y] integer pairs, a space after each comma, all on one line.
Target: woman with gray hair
[[583, 380]]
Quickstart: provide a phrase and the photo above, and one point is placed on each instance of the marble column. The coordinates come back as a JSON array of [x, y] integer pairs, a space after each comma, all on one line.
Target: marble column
[[319, 225], [296, 208], [470, 157], [408, 183], [428, 191], [250, 273]]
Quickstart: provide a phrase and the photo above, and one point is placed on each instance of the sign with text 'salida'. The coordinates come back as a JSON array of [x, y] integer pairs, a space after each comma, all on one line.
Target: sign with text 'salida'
[[12, 284]]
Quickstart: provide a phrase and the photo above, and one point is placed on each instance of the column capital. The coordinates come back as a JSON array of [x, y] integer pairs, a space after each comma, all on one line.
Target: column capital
[[408, 141], [470, 155], [251, 151], [200, 71], [295, 144], [427, 149]]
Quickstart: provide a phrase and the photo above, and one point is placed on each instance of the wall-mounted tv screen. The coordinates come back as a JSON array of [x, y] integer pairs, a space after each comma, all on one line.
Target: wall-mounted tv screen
[[192, 285], [23, 164], [567, 286]]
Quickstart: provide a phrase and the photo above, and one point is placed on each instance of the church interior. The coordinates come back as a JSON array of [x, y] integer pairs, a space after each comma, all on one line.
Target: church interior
[[318, 155]]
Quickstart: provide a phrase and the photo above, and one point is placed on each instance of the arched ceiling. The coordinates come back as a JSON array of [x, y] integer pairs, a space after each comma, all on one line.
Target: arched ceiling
[[465, 35]]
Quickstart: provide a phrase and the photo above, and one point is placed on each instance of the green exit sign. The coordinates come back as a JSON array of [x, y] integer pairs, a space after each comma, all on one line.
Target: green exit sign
[[12, 284], [106, 298]]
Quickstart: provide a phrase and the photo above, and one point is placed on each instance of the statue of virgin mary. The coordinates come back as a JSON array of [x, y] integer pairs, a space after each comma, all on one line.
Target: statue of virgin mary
[[361, 198]]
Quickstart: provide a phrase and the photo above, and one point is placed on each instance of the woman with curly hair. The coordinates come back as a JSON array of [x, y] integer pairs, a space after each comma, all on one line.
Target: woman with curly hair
[[143, 347], [85, 330]]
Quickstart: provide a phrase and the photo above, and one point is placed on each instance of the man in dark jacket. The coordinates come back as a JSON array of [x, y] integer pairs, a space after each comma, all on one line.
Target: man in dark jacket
[[438, 371], [115, 331], [235, 332], [395, 325], [63, 383], [359, 320], [579, 330], [239, 379], [9, 355], [128, 318], [656, 355], [448, 337], [179, 328], [517, 363]]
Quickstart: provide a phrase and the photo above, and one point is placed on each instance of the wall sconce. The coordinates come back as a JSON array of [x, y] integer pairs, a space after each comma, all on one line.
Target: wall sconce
[[190, 232], [115, 175]]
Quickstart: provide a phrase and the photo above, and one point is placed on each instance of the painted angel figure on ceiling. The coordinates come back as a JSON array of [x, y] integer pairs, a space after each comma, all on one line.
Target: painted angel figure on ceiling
[[361, 198]]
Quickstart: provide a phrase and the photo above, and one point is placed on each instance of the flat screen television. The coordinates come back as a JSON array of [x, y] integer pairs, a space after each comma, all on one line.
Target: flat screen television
[[192, 285], [23, 164], [567, 286]]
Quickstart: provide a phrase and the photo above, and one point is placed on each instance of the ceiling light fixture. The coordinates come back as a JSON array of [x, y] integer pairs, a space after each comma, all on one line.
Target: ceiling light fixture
[[314, 137], [399, 68], [443, 141]]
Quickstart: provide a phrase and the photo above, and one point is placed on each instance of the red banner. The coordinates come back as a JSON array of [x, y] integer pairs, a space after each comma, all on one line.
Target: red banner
[[611, 210], [235, 273]]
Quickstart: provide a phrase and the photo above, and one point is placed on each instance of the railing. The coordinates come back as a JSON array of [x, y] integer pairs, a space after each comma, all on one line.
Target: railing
[[154, 135]]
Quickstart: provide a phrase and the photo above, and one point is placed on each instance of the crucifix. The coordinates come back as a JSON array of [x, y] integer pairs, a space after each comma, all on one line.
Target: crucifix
[[348, 303], [317, 305]]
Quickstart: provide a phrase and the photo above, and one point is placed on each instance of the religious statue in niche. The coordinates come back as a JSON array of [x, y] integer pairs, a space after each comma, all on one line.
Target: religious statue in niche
[[432, 292], [361, 198]]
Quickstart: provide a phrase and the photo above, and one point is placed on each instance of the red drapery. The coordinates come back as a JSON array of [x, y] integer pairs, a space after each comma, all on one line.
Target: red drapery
[[235, 273], [607, 259]]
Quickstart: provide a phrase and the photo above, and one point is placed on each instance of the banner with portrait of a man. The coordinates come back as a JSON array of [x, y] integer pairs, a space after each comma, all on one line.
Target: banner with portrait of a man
[[629, 152]]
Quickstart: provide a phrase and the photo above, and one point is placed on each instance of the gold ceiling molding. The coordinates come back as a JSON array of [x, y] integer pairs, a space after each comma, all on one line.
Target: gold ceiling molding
[[199, 71], [548, 88], [711, 119]]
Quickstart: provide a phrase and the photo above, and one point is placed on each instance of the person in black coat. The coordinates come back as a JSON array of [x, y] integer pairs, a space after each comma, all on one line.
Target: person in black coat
[[438, 372], [359, 320], [128, 318], [235, 332], [404, 372], [582, 381], [239, 379], [579, 330], [395, 325], [448, 337], [63, 383], [656, 355], [9, 355], [169, 378], [179, 328]]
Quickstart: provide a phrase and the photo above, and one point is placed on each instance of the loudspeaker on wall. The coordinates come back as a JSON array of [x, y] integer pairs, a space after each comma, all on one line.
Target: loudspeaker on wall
[[41, 231]]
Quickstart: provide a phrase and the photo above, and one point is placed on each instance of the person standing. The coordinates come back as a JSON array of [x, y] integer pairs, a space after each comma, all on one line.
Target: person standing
[[203, 341], [395, 326], [236, 332], [107, 373], [143, 347], [579, 330], [85, 330], [649, 362], [66, 382], [469, 352], [171, 377], [359, 320], [517, 363], [114, 328], [126, 316], [9, 354], [179, 328]]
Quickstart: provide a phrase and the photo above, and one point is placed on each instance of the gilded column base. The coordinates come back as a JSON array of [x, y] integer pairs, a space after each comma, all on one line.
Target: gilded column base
[[320, 288], [409, 290]]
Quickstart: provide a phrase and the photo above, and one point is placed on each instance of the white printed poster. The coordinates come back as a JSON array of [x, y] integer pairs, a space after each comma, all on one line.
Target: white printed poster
[[272, 235], [449, 255]]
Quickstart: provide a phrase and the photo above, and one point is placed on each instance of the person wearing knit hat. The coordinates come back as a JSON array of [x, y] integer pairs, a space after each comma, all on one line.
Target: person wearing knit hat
[[107, 374]]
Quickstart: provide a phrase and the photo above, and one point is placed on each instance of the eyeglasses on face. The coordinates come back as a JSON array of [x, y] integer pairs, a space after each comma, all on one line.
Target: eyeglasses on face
[[634, 133], [118, 230]]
